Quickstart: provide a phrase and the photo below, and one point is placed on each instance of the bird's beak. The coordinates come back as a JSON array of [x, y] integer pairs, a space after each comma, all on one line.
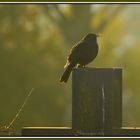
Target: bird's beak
[[98, 34]]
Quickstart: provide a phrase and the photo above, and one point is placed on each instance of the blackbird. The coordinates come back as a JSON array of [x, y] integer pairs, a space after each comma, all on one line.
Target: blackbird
[[81, 54]]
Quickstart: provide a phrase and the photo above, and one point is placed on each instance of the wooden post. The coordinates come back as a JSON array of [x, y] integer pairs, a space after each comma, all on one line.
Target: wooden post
[[96, 100], [47, 131]]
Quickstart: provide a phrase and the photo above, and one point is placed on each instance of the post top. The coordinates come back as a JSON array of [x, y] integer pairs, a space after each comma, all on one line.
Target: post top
[[99, 68]]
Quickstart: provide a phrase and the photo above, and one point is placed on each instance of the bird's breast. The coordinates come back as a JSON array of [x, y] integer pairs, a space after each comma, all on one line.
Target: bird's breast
[[88, 53]]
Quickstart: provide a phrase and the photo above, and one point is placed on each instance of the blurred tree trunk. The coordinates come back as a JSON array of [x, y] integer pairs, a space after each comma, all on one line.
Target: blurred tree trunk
[[78, 25], [72, 28]]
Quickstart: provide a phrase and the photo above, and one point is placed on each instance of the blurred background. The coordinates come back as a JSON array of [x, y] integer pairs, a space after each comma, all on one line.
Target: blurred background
[[34, 42]]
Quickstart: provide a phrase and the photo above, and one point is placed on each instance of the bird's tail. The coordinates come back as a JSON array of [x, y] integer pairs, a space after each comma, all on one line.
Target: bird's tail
[[64, 78]]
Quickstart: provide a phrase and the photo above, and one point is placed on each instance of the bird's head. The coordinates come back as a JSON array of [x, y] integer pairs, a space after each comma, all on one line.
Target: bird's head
[[91, 37]]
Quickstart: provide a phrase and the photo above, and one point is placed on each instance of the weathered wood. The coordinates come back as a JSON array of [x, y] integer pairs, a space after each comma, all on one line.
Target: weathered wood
[[124, 131], [64, 131], [47, 131], [97, 99]]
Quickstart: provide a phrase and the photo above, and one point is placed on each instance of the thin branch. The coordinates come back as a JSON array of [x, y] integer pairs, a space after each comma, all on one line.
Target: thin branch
[[18, 113]]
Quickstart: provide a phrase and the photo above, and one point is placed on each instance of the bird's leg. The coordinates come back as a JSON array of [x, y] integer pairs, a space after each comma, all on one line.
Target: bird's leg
[[79, 65]]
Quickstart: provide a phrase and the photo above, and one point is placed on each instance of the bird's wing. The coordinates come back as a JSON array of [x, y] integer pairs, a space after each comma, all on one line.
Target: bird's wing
[[72, 57], [76, 52]]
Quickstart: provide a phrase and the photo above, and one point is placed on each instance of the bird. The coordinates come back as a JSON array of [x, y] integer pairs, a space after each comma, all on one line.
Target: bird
[[80, 55]]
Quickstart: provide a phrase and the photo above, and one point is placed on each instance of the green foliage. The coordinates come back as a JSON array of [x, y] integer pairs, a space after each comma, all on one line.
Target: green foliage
[[34, 42]]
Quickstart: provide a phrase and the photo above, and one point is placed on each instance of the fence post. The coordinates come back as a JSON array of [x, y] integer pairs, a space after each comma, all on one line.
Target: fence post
[[96, 100]]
